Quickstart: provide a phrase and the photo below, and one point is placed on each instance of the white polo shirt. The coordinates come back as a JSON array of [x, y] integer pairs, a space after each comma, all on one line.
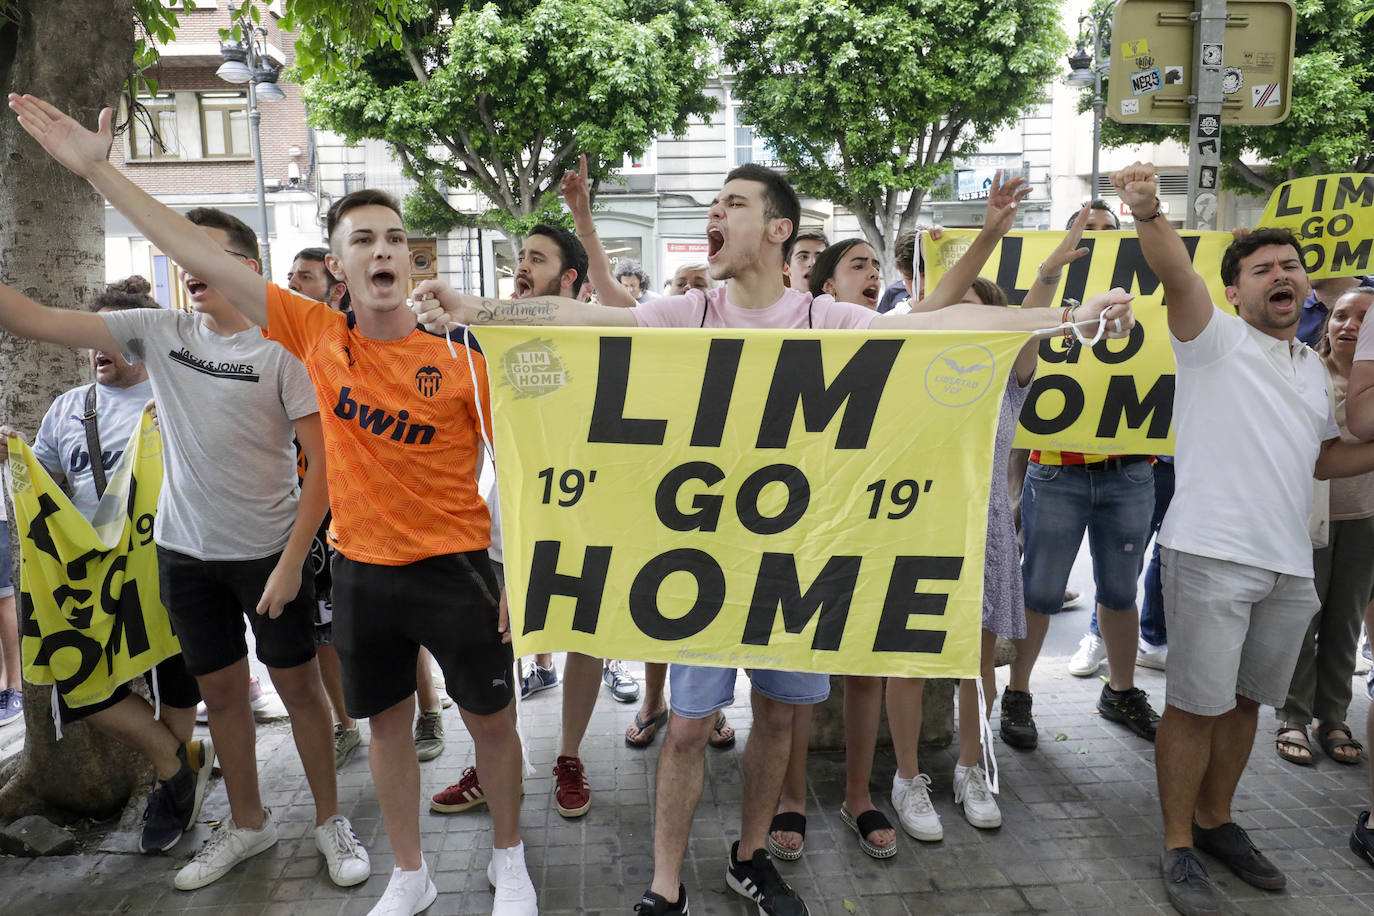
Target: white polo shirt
[[1250, 414]]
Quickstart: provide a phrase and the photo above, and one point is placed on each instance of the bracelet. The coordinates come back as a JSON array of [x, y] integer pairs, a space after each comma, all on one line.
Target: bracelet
[[586, 235], [1069, 336], [1159, 210], [1048, 281]]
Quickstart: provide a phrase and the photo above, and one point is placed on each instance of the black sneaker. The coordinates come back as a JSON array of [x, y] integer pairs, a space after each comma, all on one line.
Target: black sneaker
[[759, 880], [1362, 840], [162, 822], [654, 905], [1231, 844], [1190, 890], [1017, 727], [1130, 708]]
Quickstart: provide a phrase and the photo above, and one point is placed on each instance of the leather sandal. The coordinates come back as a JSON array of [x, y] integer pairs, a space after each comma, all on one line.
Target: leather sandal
[[1293, 736], [1337, 736]]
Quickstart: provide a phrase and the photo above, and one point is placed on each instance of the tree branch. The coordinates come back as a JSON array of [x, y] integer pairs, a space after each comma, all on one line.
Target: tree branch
[[415, 66], [502, 172], [1251, 177]]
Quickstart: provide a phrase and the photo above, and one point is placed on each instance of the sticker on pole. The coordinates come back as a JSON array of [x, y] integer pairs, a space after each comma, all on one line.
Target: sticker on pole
[[1208, 125], [1146, 81], [1130, 106], [1135, 48], [1266, 96]]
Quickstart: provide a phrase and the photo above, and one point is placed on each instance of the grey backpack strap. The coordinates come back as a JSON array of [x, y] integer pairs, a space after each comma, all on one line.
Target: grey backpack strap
[[93, 443]]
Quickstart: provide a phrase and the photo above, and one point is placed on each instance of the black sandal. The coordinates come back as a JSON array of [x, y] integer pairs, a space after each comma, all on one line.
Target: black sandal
[[787, 822], [867, 823]]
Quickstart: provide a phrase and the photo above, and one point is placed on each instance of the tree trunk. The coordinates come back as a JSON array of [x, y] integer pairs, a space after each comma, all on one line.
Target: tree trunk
[[75, 54]]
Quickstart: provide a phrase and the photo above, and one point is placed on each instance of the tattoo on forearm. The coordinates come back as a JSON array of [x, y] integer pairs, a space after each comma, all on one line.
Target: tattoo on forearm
[[515, 311]]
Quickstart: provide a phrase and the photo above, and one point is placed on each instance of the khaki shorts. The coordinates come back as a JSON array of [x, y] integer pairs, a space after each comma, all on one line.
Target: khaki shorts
[[1233, 630]]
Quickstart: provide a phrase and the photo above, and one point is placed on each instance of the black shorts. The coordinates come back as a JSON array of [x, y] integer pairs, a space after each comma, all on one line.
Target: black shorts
[[448, 604], [208, 599], [175, 687]]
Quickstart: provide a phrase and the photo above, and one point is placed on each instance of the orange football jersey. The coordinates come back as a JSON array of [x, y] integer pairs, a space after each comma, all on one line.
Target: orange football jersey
[[401, 433]]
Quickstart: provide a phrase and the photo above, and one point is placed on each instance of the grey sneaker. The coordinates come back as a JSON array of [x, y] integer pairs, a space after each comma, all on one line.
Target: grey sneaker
[[346, 741], [429, 735], [1190, 890]]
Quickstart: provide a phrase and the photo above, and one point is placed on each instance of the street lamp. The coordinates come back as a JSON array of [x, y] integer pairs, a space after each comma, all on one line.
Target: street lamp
[[245, 62], [1086, 69]]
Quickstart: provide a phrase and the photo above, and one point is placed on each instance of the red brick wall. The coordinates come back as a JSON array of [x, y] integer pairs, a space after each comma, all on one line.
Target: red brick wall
[[282, 124]]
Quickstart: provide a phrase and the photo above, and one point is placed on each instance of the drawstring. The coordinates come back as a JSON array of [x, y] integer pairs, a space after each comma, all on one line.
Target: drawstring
[[157, 696], [56, 714]]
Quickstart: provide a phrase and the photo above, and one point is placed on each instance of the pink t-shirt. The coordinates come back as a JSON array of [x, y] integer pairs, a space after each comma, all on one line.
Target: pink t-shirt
[[795, 309]]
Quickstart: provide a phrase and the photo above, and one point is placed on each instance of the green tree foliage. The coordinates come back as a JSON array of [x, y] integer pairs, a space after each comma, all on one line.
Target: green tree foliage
[[867, 100], [500, 97], [1331, 124]]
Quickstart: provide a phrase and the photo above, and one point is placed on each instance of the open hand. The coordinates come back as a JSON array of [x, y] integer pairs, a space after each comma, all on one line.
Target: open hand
[[65, 140], [1002, 202], [1067, 251]]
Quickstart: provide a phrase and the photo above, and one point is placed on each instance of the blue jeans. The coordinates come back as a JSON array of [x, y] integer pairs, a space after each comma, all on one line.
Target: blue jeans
[[1112, 503], [1152, 627]]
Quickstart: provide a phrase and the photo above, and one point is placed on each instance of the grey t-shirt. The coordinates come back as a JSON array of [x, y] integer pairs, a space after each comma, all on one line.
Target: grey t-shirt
[[225, 407], [61, 445]]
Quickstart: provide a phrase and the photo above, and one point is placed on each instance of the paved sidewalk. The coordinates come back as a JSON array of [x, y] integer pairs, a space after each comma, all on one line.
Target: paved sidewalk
[[1081, 831]]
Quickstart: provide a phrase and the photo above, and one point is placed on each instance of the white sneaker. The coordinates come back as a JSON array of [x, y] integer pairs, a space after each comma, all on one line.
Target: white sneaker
[[514, 891], [971, 790], [228, 846], [911, 798], [407, 893], [1091, 652], [1148, 656], [347, 859]]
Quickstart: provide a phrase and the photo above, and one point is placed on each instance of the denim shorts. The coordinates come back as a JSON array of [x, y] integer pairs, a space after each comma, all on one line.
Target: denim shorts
[[698, 691], [1113, 505], [1233, 630]]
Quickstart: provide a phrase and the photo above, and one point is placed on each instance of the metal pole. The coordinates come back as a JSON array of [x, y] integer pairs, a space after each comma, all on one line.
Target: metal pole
[[1204, 136], [253, 117], [1097, 103]]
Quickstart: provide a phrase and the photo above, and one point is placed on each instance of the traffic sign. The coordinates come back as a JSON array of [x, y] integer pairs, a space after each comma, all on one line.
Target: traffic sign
[[1154, 57]]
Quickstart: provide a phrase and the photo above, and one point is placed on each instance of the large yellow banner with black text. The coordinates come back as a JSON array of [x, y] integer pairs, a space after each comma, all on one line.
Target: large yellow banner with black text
[[1333, 218], [1117, 397], [92, 617], [805, 501]]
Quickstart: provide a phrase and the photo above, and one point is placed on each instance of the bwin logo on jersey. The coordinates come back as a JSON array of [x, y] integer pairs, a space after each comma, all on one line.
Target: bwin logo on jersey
[[428, 380]]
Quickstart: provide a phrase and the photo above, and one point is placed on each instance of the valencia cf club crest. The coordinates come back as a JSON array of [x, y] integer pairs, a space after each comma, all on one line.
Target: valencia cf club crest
[[428, 380]]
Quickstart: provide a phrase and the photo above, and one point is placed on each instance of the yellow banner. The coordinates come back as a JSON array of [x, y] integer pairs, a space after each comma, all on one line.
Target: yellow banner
[[92, 616], [803, 501], [1333, 217], [1116, 398]]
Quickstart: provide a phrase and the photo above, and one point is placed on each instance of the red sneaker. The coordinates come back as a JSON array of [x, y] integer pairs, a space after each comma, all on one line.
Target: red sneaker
[[573, 795], [464, 794]]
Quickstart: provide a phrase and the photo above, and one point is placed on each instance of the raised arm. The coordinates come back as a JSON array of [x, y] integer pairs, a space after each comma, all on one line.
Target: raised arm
[[1185, 293], [1002, 202], [577, 196], [87, 154], [439, 307], [23, 317], [1359, 392], [1047, 274]]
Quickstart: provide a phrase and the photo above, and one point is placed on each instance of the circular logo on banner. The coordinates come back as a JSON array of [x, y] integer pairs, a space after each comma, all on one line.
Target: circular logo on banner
[[534, 369], [959, 376]]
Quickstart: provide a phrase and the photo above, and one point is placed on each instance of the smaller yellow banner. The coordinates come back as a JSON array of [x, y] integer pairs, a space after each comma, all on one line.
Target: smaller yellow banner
[[1117, 397], [1333, 218], [93, 618]]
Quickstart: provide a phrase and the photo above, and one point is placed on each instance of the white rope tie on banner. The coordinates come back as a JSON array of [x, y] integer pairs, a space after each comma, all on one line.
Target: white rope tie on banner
[[985, 736], [1073, 326]]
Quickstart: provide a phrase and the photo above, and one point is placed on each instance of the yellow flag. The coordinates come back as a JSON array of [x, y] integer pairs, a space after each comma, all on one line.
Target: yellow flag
[[1116, 398], [93, 619], [1333, 218], [803, 501]]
